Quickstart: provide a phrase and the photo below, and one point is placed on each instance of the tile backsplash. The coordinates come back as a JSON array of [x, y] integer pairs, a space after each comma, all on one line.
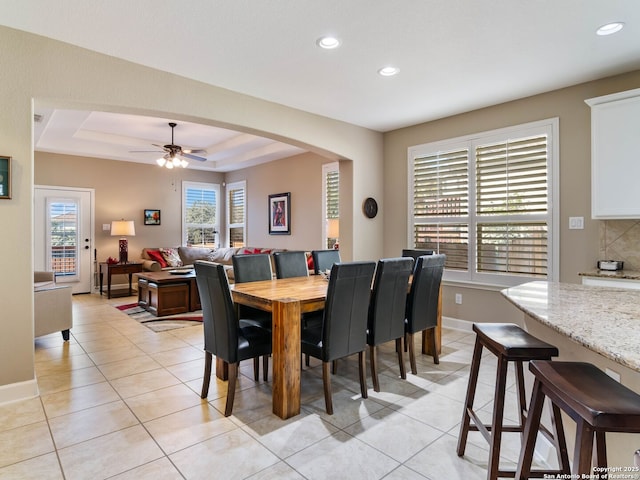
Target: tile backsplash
[[620, 240]]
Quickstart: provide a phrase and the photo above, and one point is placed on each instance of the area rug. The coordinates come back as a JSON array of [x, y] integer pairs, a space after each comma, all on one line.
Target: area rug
[[161, 324]]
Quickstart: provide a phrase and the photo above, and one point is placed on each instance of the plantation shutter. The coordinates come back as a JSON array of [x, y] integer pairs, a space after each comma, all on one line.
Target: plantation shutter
[[236, 205], [200, 214], [333, 194], [511, 206], [441, 205]]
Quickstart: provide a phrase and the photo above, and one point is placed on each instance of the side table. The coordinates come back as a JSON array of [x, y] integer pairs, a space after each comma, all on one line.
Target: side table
[[118, 269]]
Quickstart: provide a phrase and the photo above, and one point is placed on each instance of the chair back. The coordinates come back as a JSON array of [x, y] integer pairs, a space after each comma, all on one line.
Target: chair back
[[344, 323], [291, 264], [422, 302], [323, 260], [415, 253], [218, 314], [251, 267], [388, 300]]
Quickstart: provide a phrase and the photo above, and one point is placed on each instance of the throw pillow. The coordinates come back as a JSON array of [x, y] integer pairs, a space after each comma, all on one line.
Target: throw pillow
[[157, 256], [171, 257], [310, 262]]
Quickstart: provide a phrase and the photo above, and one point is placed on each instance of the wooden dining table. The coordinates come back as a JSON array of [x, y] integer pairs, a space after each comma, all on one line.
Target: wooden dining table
[[287, 299]]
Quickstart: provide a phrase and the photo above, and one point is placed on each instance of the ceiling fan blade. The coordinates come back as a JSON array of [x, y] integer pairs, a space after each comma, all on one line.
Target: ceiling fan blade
[[194, 150], [194, 157], [145, 151]]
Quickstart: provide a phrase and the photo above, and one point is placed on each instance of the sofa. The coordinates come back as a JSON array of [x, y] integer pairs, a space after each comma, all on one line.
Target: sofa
[[52, 306], [155, 259]]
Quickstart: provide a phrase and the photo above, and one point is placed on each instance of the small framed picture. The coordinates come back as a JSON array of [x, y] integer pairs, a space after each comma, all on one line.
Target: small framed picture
[[5, 177], [151, 217], [280, 214]]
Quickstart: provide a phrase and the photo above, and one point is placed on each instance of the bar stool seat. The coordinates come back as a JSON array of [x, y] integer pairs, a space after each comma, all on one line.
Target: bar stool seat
[[596, 402], [509, 343]]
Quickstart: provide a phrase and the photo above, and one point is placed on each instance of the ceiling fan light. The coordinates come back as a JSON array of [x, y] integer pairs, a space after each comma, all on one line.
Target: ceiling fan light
[[175, 160], [161, 161], [184, 164], [169, 165]]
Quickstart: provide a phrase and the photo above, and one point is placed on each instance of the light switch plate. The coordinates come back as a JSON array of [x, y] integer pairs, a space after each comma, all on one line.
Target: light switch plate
[[106, 227]]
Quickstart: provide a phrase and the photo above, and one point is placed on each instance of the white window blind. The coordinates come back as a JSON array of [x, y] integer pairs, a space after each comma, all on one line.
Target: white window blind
[[511, 194], [200, 206], [485, 201], [236, 214], [331, 203]]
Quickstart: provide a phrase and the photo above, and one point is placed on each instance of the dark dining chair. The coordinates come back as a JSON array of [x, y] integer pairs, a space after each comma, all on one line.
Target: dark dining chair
[[253, 268], [228, 338], [387, 310], [422, 302], [342, 330], [416, 252], [323, 260], [291, 264]]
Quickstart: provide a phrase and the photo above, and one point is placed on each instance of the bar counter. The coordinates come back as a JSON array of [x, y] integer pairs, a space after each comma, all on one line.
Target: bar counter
[[602, 319], [594, 324]]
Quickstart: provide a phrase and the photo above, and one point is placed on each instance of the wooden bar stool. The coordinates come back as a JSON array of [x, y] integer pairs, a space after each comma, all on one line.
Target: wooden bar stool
[[509, 343], [594, 400]]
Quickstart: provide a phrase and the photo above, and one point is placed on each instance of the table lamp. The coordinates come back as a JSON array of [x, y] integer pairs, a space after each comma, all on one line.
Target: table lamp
[[123, 229]]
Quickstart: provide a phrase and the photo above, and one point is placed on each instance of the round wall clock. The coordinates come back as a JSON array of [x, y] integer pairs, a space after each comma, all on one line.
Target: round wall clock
[[370, 207]]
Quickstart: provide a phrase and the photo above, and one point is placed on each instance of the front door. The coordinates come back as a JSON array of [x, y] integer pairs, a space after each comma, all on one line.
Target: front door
[[63, 234]]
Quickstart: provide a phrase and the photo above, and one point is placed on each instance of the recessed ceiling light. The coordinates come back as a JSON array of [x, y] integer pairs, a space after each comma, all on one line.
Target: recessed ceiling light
[[328, 42], [388, 71], [610, 28]]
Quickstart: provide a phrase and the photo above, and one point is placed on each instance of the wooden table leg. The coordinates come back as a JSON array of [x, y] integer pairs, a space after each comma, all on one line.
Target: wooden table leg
[[286, 358], [426, 334]]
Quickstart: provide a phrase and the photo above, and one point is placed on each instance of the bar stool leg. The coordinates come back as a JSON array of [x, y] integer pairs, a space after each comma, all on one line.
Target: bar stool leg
[[522, 401], [530, 432], [601, 450], [471, 393], [498, 415], [583, 449], [559, 439]]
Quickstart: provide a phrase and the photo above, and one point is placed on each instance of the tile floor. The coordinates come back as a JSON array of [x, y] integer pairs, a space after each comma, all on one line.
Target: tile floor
[[120, 401]]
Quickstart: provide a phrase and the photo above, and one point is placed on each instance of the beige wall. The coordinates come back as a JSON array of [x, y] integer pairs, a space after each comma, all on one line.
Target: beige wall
[[578, 248], [48, 73], [302, 176], [124, 190]]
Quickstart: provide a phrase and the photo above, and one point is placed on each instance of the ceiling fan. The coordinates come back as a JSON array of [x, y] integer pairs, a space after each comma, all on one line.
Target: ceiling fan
[[175, 155]]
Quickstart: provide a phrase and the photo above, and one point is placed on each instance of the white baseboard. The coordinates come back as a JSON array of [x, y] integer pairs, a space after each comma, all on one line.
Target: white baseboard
[[457, 324], [18, 391]]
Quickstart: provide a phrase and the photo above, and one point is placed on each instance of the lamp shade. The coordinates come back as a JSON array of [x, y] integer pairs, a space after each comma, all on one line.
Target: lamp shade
[[123, 228], [333, 228]]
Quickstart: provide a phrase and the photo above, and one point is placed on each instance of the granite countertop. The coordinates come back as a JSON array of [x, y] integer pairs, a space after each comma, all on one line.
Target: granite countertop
[[603, 319], [618, 274]]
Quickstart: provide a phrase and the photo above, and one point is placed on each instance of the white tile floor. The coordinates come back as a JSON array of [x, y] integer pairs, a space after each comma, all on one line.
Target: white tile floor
[[120, 401]]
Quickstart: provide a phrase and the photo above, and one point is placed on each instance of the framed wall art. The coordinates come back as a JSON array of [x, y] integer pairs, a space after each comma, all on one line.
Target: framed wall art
[[280, 214], [151, 217], [5, 177]]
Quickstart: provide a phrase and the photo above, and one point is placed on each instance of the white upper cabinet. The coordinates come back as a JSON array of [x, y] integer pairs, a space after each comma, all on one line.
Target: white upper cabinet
[[615, 155]]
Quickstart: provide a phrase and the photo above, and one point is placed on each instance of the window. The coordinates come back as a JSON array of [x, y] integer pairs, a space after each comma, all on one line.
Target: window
[[62, 237], [331, 204], [200, 213], [486, 202], [236, 213]]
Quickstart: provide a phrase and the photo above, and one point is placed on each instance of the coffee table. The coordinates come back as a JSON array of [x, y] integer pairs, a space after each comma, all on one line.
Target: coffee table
[[168, 292]]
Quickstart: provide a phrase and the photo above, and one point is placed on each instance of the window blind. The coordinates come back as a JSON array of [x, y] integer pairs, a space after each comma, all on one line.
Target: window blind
[[236, 208], [200, 215]]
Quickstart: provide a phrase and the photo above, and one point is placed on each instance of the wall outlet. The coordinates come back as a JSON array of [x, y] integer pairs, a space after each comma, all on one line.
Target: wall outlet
[[458, 298], [576, 223]]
